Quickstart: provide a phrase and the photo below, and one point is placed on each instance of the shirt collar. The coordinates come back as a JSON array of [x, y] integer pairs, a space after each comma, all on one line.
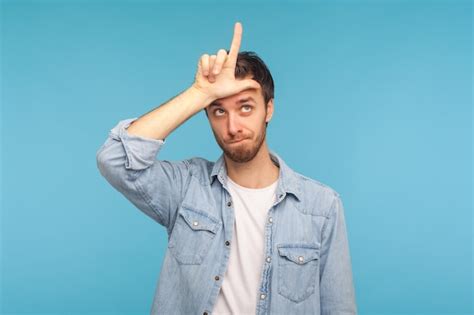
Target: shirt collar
[[287, 181]]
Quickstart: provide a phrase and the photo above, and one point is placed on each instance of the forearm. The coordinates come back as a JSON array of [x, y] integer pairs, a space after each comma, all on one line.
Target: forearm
[[160, 122]]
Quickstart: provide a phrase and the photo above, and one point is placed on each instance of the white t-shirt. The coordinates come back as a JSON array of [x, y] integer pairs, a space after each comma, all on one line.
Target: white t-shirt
[[240, 285]]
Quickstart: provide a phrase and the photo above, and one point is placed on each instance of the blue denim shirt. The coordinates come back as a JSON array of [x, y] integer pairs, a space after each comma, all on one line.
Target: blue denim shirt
[[309, 270]]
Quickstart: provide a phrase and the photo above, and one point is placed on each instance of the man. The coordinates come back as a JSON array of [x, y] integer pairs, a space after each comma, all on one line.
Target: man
[[246, 234]]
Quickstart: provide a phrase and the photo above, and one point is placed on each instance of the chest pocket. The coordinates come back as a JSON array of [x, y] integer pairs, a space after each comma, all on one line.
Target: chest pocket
[[298, 270], [192, 235]]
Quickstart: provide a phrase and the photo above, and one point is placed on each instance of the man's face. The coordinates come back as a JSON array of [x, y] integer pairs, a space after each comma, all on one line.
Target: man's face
[[239, 123]]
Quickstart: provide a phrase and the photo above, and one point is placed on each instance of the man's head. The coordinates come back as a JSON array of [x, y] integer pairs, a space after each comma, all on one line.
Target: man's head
[[244, 116]]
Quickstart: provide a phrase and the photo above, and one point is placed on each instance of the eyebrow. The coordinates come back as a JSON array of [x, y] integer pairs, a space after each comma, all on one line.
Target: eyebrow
[[243, 100]]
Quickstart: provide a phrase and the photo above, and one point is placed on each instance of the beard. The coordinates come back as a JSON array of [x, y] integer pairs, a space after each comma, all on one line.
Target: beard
[[244, 151]]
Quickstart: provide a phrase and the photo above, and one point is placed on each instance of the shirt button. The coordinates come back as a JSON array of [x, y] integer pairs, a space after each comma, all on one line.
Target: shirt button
[[195, 223], [281, 196], [270, 220], [227, 243], [262, 296], [217, 278], [229, 204], [300, 259], [269, 259]]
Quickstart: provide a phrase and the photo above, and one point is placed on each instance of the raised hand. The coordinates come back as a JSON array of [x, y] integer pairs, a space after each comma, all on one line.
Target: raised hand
[[215, 75]]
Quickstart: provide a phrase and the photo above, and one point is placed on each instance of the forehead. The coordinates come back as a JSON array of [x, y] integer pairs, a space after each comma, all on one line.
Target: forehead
[[246, 96]]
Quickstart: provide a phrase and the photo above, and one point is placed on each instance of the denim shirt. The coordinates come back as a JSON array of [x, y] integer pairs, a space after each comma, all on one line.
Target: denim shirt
[[307, 269]]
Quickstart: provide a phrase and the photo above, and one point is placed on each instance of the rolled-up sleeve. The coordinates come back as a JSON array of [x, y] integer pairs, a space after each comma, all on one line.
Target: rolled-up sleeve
[[140, 152], [129, 164], [336, 282]]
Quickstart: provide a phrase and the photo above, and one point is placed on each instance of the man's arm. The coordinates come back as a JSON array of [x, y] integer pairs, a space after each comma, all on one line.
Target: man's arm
[[127, 159], [336, 283]]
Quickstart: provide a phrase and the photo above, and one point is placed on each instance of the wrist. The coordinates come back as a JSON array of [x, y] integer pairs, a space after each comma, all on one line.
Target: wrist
[[204, 97]]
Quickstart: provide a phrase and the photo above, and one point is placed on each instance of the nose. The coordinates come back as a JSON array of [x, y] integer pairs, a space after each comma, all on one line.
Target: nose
[[233, 125]]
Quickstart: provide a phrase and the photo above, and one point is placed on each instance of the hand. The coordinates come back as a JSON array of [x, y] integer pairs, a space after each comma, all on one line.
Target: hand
[[215, 75]]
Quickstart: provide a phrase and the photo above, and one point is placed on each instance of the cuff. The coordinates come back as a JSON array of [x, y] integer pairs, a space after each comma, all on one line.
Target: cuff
[[140, 152]]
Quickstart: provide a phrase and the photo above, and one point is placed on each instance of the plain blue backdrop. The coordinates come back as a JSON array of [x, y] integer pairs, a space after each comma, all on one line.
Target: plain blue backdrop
[[372, 98]]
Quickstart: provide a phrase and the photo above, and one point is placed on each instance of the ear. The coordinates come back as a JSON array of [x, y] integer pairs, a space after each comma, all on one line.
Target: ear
[[269, 110]]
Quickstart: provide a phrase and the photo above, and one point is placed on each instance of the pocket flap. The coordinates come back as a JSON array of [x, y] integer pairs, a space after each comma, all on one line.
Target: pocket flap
[[200, 220], [299, 253]]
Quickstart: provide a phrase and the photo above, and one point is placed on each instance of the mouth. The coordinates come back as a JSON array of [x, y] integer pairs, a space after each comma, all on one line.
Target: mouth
[[238, 141]]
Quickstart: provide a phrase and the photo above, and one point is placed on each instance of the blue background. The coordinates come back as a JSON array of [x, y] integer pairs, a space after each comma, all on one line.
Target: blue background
[[372, 98]]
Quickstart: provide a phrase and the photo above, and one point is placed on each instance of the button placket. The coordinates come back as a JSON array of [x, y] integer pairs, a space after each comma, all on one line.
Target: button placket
[[229, 204], [268, 259]]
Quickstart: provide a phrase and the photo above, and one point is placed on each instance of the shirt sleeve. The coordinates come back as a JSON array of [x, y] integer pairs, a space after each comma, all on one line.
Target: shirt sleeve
[[129, 164], [336, 283]]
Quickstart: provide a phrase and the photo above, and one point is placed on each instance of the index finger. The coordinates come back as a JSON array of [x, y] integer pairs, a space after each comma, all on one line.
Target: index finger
[[235, 46]]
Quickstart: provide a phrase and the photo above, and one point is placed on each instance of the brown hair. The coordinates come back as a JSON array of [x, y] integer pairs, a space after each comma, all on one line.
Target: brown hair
[[248, 62]]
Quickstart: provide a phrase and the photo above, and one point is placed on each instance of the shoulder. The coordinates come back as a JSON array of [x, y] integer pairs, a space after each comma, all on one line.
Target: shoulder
[[318, 198]]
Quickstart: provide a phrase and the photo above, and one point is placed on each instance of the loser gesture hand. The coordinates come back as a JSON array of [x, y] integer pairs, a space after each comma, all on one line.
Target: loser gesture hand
[[215, 75]]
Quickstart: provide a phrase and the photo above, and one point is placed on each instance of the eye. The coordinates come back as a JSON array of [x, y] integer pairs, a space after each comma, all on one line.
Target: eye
[[247, 108], [219, 110]]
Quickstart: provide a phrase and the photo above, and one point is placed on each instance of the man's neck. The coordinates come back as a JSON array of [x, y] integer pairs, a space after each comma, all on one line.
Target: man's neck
[[260, 172]]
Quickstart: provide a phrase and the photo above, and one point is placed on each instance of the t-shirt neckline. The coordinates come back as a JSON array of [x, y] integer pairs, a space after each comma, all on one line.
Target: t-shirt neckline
[[271, 186]]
